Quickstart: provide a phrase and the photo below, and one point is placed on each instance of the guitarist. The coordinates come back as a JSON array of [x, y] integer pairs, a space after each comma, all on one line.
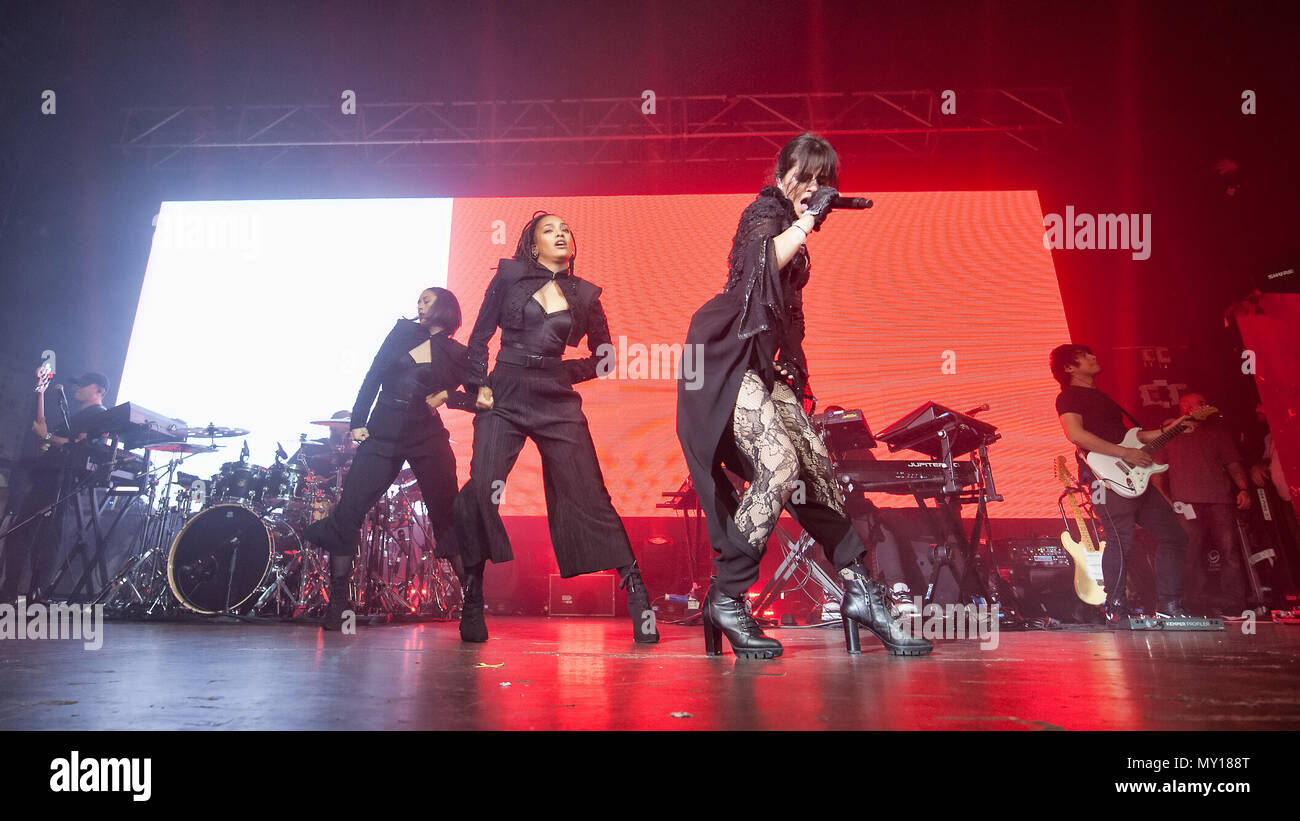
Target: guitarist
[[33, 545], [1093, 421]]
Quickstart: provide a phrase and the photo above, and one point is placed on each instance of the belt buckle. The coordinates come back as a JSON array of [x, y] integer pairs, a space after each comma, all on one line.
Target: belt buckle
[[535, 360]]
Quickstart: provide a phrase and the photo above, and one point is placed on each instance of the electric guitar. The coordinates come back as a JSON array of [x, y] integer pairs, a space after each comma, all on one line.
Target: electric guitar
[[1087, 557], [1130, 481], [43, 376]]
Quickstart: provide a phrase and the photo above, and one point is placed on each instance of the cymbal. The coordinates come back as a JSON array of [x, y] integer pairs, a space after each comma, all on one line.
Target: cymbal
[[183, 447], [214, 432], [334, 424]]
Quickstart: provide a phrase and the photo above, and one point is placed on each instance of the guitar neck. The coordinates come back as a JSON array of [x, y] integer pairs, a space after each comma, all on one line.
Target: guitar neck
[[1162, 440], [1077, 513]]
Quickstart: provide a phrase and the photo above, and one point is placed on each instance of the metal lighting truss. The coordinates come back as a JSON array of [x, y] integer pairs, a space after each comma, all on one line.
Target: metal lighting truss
[[609, 130]]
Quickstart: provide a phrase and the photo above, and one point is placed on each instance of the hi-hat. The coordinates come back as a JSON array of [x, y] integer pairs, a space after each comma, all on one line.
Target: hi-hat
[[183, 447], [215, 432], [334, 424]]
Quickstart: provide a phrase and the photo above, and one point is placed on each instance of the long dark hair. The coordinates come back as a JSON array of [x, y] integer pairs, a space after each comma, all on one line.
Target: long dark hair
[[523, 250], [814, 156], [446, 311]]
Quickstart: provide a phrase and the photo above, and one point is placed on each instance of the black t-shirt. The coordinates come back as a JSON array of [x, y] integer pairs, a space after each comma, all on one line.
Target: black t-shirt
[[1102, 416]]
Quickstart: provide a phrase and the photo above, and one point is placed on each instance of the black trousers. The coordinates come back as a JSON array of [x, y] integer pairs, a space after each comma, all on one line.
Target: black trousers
[[540, 404], [1118, 517], [1214, 528], [374, 467], [30, 551]]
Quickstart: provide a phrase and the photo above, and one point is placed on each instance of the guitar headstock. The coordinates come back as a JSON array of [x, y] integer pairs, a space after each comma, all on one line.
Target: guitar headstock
[[1201, 414], [45, 372], [1063, 472]]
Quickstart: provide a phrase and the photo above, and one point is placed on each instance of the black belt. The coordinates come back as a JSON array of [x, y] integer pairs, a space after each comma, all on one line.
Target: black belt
[[523, 359], [393, 401]]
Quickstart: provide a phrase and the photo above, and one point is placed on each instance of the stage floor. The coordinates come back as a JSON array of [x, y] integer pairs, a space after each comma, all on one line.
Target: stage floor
[[586, 674]]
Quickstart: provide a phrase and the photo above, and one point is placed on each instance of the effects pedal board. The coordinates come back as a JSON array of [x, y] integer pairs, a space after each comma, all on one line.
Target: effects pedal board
[[1182, 623]]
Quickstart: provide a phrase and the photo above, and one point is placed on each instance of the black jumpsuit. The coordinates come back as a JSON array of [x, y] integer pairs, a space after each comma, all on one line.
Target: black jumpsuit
[[533, 397], [402, 429]]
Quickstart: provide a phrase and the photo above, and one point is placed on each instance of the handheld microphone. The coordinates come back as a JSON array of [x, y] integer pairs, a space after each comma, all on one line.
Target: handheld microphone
[[851, 203]]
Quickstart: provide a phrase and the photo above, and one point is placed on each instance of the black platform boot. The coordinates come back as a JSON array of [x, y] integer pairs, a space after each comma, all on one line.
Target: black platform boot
[[644, 630], [340, 576], [866, 603], [473, 626], [726, 615]]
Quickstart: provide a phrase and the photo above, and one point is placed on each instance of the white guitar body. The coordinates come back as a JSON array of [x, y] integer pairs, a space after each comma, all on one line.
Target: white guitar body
[[1127, 480], [1087, 570]]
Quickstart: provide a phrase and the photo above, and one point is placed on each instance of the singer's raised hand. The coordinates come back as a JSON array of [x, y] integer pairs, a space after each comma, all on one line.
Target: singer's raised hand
[[820, 205]]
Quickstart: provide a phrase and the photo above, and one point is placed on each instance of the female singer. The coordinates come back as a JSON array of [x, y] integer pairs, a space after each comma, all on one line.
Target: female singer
[[747, 414], [418, 366], [541, 307]]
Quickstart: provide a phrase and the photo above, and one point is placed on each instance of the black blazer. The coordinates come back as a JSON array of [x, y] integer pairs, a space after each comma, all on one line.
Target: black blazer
[[503, 307], [401, 412]]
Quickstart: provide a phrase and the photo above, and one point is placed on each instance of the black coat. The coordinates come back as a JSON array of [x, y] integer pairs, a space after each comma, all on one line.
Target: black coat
[[503, 307], [756, 320], [401, 415]]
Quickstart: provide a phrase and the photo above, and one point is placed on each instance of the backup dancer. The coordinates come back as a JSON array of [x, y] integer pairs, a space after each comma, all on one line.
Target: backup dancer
[[541, 308], [419, 366]]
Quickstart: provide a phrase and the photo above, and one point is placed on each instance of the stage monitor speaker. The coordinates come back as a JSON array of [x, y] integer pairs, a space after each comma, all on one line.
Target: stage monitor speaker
[[588, 595]]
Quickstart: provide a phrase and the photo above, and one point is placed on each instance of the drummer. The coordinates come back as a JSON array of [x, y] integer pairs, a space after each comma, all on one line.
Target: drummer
[[419, 368]]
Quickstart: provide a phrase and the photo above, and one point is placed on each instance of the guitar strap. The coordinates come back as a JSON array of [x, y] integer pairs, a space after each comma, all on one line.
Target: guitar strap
[[1130, 416]]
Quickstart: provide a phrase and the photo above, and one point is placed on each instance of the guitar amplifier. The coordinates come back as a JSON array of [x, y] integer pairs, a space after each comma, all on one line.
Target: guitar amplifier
[[1041, 552], [1041, 575], [588, 595]]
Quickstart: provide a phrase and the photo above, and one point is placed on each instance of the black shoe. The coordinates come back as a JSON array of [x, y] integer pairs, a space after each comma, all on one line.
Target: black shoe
[[338, 604], [726, 615], [1115, 612], [473, 625], [1172, 609], [867, 603], [644, 630]]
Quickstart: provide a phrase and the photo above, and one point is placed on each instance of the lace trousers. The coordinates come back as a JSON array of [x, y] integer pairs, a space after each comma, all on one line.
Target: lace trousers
[[789, 468]]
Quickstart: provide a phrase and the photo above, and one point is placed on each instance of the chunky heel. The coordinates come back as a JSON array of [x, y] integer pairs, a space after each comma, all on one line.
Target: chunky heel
[[729, 616], [852, 641], [867, 603], [712, 638]]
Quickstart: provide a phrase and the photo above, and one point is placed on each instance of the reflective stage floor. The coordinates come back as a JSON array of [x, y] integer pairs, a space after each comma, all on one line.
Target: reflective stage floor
[[586, 674]]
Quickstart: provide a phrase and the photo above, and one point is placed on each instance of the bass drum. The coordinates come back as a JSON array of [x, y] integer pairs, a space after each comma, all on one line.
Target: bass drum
[[222, 557]]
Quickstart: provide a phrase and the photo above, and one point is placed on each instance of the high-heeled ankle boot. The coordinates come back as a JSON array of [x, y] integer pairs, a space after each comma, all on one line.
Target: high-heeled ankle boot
[[340, 575], [644, 630], [473, 626], [866, 603], [730, 616]]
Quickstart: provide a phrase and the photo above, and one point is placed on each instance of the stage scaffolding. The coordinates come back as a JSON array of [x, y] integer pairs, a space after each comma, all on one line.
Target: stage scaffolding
[[595, 131]]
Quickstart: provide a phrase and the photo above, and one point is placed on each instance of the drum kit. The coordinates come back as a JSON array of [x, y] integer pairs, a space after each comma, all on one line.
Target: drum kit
[[233, 544]]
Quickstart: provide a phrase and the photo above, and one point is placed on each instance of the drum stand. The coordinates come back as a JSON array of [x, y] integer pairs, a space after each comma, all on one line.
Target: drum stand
[[141, 585]]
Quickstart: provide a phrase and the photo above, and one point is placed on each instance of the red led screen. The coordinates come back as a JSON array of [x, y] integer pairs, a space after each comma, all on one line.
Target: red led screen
[[923, 280]]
